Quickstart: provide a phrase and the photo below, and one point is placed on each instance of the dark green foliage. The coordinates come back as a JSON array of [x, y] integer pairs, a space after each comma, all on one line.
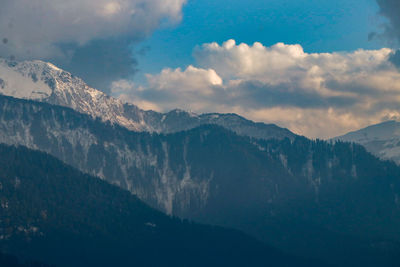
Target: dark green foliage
[[53, 213], [336, 201], [330, 201], [12, 261]]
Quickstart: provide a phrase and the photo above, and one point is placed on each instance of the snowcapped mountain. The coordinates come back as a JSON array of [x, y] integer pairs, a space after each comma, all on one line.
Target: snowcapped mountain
[[41, 81], [382, 140], [306, 197]]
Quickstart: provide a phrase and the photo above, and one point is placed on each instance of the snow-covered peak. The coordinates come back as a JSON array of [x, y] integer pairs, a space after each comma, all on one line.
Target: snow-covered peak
[[25, 80], [382, 139], [42, 81], [382, 131]]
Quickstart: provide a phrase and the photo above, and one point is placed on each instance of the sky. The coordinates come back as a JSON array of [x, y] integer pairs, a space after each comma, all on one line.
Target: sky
[[320, 68], [319, 26]]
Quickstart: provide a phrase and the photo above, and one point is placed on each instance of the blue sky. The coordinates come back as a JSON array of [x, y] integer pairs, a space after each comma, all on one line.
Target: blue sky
[[318, 25], [202, 56]]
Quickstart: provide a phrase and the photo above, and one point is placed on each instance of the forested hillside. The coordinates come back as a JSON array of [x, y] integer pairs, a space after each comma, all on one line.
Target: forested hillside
[[334, 201], [53, 213]]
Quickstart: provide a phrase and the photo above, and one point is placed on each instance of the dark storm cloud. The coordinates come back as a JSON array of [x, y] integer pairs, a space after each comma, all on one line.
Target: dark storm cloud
[[101, 62], [395, 58], [248, 94], [259, 95], [391, 10]]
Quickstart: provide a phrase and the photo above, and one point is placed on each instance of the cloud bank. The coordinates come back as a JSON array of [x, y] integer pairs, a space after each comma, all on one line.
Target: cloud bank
[[62, 31], [318, 95]]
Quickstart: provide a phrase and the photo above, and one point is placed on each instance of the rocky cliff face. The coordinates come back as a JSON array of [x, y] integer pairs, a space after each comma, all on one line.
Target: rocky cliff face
[[177, 173], [139, 162]]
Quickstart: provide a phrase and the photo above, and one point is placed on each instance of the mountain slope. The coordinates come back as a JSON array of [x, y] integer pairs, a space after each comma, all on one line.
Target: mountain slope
[[52, 212], [12, 261], [336, 202], [45, 82], [41, 81], [382, 140]]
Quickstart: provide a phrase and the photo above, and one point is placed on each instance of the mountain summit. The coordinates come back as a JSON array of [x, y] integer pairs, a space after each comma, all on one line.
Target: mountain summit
[[382, 140], [41, 81]]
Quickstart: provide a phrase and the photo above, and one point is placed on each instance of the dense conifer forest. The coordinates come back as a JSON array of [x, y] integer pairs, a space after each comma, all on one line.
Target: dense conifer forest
[[53, 213]]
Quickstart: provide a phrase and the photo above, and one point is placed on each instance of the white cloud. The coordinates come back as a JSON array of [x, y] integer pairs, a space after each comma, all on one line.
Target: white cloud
[[112, 9], [123, 89], [282, 63], [318, 95], [192, 79], [192, 88], [36, 28], [320, 123]]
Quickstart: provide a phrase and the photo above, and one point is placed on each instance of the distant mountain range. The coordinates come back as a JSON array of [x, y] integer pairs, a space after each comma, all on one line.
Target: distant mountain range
[[382, 140], [331, 201], [41, 81]]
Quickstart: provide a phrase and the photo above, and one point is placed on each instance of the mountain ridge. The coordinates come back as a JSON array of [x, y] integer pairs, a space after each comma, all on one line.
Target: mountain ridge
[[59, 87], [280, 191], [382, 139]]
